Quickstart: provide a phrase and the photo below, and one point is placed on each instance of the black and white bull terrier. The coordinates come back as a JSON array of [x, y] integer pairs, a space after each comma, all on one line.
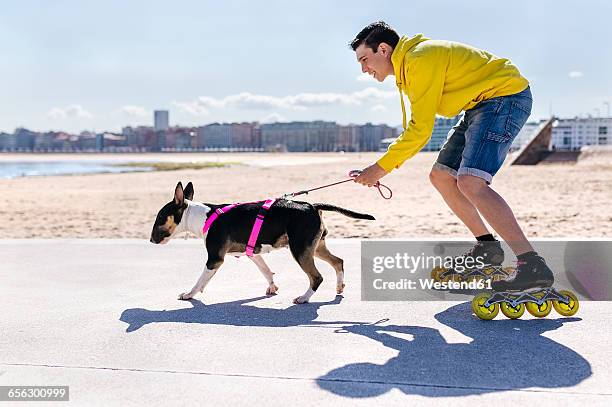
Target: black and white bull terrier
[[296, 224]]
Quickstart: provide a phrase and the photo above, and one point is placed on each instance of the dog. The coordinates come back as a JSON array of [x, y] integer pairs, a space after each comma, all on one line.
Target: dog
[[295, 224]]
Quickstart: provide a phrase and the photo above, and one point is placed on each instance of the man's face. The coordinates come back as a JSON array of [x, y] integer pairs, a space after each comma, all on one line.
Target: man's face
[[378, 64]]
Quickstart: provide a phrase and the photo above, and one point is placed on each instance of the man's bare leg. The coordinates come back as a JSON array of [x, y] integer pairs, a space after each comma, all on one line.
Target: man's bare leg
[[446, 185], [495, 210]]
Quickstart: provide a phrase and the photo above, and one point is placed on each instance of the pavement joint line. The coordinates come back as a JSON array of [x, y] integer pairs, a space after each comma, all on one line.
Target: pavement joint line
[[339, 380]]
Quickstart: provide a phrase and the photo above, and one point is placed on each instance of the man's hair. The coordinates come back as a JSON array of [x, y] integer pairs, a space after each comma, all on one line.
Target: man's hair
[[373, 34]]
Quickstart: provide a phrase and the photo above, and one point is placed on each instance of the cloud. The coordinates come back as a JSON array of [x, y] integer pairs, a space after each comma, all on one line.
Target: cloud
[[301, 101], [379, 108], [193, 108], [131, 110], [71, 111], [575, 74], [272, 118]]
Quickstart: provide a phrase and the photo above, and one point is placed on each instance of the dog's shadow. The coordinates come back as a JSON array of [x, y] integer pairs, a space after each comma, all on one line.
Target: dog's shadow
[[234, 313], [503, 355]]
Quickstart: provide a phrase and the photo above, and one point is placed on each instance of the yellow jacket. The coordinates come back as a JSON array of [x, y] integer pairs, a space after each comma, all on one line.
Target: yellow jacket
[[443, 77]]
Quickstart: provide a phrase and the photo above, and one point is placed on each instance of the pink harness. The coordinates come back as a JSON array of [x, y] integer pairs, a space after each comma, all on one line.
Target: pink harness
[[264, 209], [256, 226]]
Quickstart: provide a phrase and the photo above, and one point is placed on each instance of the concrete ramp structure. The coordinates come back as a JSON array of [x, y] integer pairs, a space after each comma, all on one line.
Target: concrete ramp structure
[[539, 147]]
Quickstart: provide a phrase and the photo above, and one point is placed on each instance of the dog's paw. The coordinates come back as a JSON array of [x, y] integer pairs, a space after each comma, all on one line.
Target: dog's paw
[[185, 296], [300, 300], [272, 289], [340, 288]]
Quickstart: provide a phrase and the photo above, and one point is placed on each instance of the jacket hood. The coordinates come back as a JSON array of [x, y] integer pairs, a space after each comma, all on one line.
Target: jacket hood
[[404, 45]]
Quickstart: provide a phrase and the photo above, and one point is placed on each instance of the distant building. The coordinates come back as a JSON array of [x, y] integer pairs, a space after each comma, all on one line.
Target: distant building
[[442, 126], [572, 134], [370, 136], [180, 138], [300, 136], [112, 142], [216, 135], [161, 122], [25, 139], [160, 126], [43, 142], [349, 138], [243, 135], [140, 138], [100, 142], [183, 140], [8, 142], [323, 136], [87, 141]]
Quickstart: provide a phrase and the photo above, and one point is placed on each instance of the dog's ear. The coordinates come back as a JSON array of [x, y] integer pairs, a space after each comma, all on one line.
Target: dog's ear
[[179, 196], [188, 191]]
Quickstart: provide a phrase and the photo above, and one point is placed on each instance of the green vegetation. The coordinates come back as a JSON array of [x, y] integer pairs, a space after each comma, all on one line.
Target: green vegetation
[[170, 166]]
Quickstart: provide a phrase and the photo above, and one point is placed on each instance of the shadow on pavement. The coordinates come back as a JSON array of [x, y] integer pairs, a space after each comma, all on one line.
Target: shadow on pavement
[[504, 355], [234, 313]]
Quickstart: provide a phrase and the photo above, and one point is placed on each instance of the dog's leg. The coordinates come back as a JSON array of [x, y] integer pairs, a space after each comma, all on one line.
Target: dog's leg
[[336, 262], [267, 273], [306, 261], [209, 272]]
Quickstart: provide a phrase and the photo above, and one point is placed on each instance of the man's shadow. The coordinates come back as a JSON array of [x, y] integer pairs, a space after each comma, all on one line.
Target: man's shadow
[[234, 313], [504, 355]]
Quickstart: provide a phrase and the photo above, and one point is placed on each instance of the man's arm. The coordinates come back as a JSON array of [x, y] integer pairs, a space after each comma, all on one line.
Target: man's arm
[[425, 75]]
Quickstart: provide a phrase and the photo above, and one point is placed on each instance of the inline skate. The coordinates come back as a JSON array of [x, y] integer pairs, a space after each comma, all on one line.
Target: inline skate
[[530, 288], [491, 255]]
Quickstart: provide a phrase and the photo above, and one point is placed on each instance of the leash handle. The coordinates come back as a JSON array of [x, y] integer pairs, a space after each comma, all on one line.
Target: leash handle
[[378, 185]]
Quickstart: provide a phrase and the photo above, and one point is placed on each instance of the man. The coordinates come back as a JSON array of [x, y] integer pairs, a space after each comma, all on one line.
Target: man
[[444, 77]]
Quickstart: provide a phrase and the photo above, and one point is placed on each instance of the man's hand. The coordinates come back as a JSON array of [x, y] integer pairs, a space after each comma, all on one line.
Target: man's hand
[[371, 175]]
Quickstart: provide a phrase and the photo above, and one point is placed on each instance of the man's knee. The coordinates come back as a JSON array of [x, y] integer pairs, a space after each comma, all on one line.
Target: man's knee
[[470, 185], [440, 179]]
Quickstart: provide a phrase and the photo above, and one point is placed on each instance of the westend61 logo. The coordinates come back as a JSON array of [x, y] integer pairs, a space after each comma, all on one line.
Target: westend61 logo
[[414, 264]]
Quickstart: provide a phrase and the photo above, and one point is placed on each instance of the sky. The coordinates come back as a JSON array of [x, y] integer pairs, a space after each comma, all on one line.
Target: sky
[[85, 65]]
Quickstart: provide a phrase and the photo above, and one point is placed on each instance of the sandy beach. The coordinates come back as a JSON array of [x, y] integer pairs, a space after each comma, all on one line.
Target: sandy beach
[[555, 200]]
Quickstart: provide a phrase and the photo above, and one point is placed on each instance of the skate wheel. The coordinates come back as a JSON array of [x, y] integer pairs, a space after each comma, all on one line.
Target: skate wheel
[[436, 273], [482, 312], [567, 310], [539, 311], [512, 312]]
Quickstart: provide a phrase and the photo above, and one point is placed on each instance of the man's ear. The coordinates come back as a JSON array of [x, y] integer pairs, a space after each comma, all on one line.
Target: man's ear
[[385, 48], [179, 196], [188, 191]]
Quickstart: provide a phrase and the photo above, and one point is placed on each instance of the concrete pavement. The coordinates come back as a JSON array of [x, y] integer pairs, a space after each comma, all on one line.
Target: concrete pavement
[[102, 317]]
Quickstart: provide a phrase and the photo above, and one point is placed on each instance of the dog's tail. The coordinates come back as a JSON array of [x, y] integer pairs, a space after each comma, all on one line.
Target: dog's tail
[[345, 212]]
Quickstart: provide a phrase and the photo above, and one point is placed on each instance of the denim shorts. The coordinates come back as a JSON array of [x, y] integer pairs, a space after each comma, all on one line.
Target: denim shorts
[[478, 144]]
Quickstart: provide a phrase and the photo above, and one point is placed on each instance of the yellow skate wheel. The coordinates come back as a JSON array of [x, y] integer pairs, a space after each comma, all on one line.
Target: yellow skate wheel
[[567, 310], [512, 312], [482, 312], [436, 273], [539, 311]]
